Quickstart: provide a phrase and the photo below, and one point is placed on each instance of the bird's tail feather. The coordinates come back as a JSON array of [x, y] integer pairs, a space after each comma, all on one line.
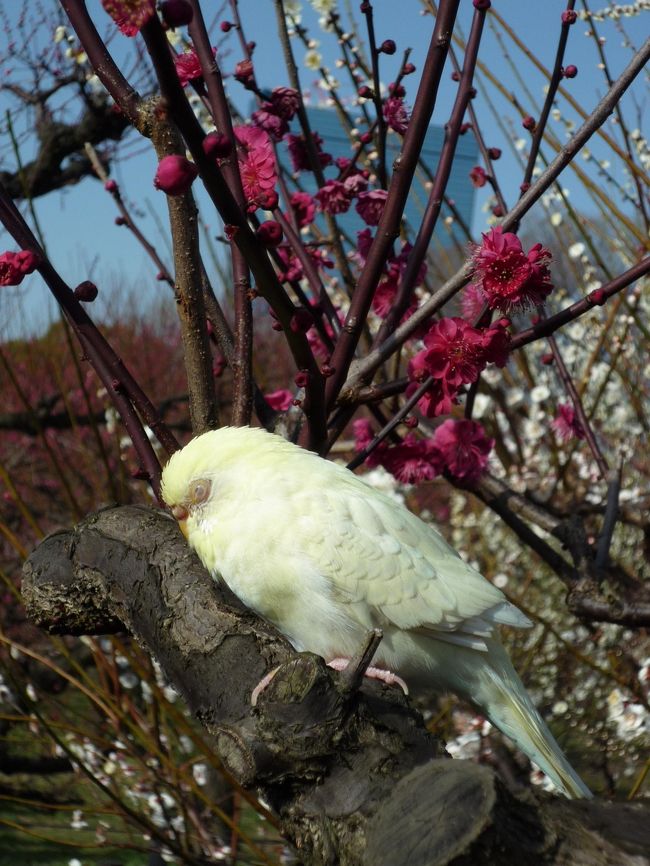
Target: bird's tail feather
[[513, 712]]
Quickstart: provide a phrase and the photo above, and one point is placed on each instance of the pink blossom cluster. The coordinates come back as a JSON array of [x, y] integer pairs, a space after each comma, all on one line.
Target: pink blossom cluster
[[396, 114], [458, 448], [292, 269], [188, 66], [130, 15], [455, 353], [299, 154], [15, 266], [336, 195], [506, 276], [256, 166], [388, 285], [274, 115], [566, 424]]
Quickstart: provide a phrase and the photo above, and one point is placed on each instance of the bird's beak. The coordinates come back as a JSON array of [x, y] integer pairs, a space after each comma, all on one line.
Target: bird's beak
[[181, 514]]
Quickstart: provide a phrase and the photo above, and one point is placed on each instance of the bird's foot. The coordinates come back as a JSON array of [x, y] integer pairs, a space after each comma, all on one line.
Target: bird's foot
[[388, 677]]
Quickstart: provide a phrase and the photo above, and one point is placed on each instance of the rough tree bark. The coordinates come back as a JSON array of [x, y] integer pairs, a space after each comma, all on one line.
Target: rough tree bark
[[352, 773]]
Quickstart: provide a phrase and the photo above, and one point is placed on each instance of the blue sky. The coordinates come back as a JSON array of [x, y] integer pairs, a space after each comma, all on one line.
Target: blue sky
[[79, 222]]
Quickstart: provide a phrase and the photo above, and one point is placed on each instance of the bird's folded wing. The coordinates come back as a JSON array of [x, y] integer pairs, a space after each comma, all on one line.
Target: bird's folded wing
[[378, 554]]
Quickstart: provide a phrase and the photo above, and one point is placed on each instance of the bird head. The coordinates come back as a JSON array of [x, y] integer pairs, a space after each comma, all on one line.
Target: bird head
[[210, 468]]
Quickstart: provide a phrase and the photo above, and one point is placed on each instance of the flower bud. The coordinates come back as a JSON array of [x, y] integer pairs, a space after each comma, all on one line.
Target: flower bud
[[244, 73], [216, 145], [597, 297], [176, 13], [270, 233], [110, 186], [175, 175], [388, 46], [494, 152], [86, 292], [528, 123], [226, 26], [569, 16], [570, 71]]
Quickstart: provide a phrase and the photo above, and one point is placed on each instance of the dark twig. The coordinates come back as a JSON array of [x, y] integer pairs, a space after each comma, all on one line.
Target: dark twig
[[388, 228], [596, 298], [578, 408], [115, 377], [554, 83], [388, 428], [609, 521], [367, 10], [241, 361], [402, 333], [266, 280], [351, 678], [440, 181], [129, 222]]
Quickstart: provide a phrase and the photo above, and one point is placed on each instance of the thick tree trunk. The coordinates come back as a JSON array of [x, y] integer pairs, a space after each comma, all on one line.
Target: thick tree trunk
[[352, 773]]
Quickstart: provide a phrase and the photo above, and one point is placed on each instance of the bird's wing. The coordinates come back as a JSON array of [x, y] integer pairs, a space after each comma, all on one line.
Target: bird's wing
[[378, 554]]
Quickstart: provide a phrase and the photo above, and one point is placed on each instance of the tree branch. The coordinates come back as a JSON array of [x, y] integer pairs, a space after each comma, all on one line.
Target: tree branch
[[354, 777]]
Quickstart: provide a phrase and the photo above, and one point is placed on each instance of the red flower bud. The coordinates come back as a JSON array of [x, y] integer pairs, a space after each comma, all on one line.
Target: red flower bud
[[244, 73], [570, 71], [482, 5], [464, 127], [365, 138], [270, 233], [547, 358], [120, 221], [226, 26], [86, 291], [455, 75], [301, 321], [216, 145], [528, 123], [176, 13], [365, 92], [175, 174], [494, 152], [409, 68], [597, 297], [497, 210], [569, 16], [302, 378], [267, 200], [110, 186], [388, 46]]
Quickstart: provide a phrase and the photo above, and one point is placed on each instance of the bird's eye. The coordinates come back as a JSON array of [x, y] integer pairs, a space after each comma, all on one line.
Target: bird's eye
[[200, 490]]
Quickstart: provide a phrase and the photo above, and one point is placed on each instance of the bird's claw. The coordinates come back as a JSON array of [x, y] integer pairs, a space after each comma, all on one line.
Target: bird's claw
[[388, 677]]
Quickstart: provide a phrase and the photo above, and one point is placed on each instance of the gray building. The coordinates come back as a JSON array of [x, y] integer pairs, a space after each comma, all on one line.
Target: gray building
[[326, 122]]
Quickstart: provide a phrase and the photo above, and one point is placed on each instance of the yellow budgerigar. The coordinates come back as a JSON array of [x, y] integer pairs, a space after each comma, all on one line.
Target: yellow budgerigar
[[325, 557]]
